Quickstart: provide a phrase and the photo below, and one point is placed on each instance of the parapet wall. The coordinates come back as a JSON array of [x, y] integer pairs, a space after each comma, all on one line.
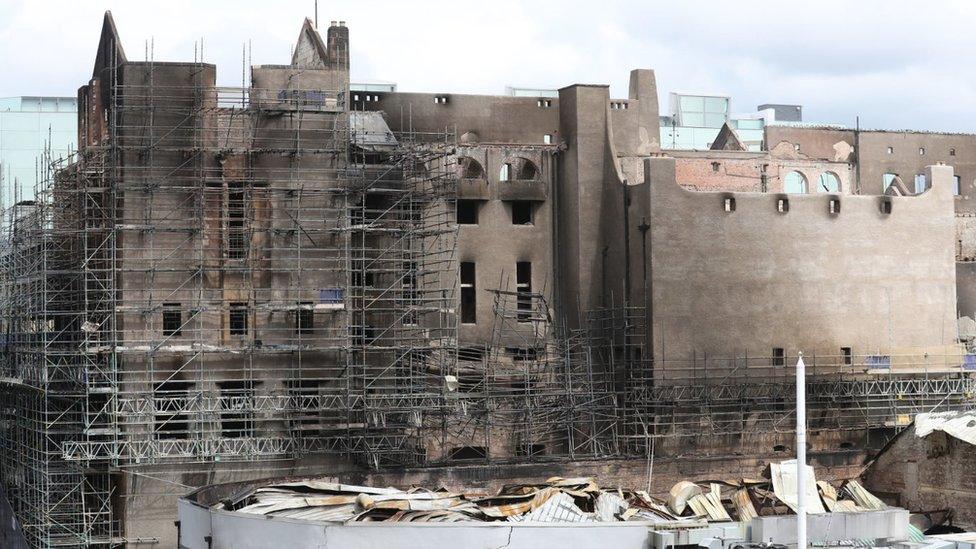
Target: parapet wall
[[743, 273]]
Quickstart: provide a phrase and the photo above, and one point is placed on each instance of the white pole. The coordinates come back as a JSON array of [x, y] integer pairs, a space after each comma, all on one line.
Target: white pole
[[801, 453]]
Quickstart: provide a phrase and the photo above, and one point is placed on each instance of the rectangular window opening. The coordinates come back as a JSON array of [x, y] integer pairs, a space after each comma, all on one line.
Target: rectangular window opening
[[236, 408], [523, 286], [237, 241], [468, 453], [467, 212], [505, 173], [171, 421], [834, 206], [920, 183], [469, 311], [848, 355], [779, 356], [782, 205], [886, 206], [172, 319], [547, 139], [729, 204], [238, 318], [411, 293], [305, 317], [521, 212]]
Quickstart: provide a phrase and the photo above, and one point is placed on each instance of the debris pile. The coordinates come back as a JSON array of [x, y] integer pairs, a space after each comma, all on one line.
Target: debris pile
[[555, 500]]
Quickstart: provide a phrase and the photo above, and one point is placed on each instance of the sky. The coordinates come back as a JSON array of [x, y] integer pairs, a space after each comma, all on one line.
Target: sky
[[895, 64]]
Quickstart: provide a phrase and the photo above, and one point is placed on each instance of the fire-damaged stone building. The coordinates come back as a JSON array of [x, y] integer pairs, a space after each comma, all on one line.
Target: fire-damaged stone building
[[295, 277]]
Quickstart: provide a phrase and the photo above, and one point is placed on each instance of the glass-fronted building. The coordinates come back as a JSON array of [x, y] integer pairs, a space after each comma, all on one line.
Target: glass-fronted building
[[694, 120], [27, 125]]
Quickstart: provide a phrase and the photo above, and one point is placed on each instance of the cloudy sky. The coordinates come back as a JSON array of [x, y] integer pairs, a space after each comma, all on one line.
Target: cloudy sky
[[896, 64]]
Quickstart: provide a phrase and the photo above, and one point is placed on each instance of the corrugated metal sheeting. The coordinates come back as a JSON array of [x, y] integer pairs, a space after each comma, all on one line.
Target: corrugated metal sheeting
[[557, 499]]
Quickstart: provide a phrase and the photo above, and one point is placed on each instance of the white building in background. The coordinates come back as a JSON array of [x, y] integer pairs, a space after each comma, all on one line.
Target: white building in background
[[28, 124]]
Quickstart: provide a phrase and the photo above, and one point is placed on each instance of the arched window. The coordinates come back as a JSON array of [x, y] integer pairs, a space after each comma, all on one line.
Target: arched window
[[795, 183], [829, 183], [525, 170], [470, 168]]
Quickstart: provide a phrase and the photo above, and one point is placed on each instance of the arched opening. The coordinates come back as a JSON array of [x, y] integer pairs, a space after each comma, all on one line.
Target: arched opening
[[829, 183], [795, 183], [469, 168], [525, 170]]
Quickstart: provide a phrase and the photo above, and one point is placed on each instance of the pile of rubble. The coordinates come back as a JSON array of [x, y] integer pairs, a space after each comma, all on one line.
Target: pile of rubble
[[555, 500]]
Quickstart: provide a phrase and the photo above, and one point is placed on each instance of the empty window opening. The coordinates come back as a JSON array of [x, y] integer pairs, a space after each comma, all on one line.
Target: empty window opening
[[795, 183], [829, 183], [467, 212], [848, 355], [779, 356], [796, 147], [952, 152], [779, 448], [362, 276], [891, 150], [236, 409], [530, 450], [834, 206], [505, 173], [846, 445], [469, 311], [956, 185], [305, 317], [921, 151], [411, 293], [523, 285], [729, 204], [544, 103], [526, 170], [238, 318], [521, 212], [170, 399], [782, 205], [920, 183], [440, 99], [468, 452], [237, 241], [886, 206], [172, 319], [470, 168], [547, 139], [716, 166]]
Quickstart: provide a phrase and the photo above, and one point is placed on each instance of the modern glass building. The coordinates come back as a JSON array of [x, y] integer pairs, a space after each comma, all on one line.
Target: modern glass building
[[694, 121], [27, 125]]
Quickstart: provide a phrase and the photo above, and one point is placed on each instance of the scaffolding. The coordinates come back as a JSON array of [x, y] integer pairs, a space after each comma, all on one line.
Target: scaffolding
[[246, 274], [231, 274]]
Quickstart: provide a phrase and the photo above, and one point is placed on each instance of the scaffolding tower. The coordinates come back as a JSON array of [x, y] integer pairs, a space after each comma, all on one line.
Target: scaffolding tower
[[231, 274]]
